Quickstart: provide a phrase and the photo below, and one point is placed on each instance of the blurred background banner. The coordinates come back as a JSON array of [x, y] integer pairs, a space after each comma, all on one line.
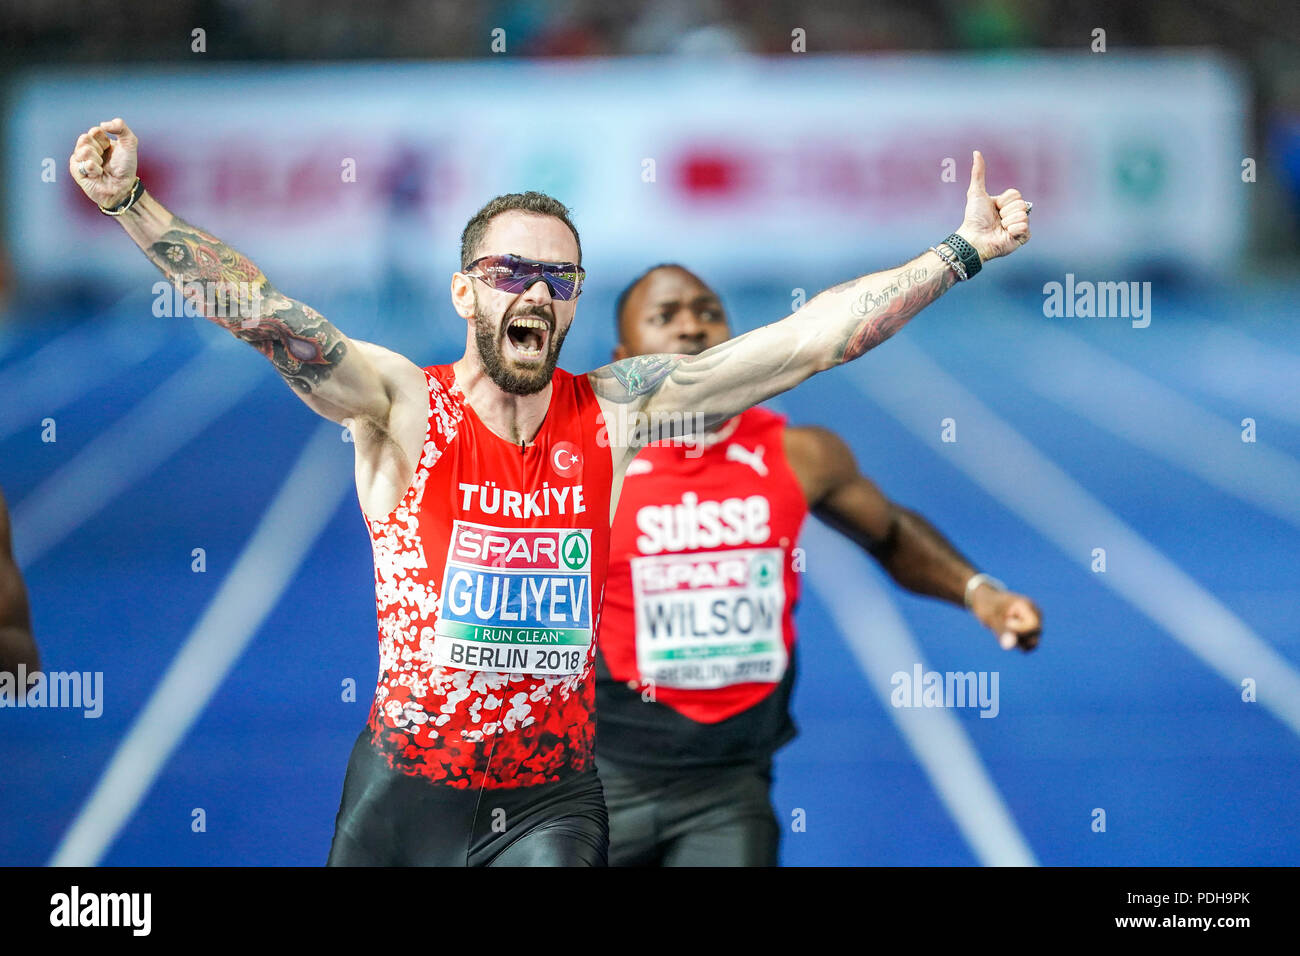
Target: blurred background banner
[[742, 167]]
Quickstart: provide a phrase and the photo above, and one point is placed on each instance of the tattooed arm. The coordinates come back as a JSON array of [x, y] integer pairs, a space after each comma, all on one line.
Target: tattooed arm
[[836, 326], [327, 370], [339, 378]]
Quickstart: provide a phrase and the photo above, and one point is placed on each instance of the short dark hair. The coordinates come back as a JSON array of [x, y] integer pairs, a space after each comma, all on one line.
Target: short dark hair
[[533, 202], [621, 302]]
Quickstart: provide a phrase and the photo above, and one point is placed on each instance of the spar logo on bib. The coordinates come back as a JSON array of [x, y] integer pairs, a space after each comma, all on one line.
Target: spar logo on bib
[[575, 550], [515, 600]]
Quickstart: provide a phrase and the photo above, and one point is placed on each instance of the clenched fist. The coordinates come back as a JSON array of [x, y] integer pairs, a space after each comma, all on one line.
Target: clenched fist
[[1014, 618], [103, 167]]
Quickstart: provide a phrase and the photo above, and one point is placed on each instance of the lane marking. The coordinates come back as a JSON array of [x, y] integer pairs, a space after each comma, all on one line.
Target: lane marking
[[919, 394], [297, 516]]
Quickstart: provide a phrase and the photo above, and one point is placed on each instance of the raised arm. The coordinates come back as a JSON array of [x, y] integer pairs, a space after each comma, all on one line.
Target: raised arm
[[17, 646], [341, 379], [834, 327], [906, 545]]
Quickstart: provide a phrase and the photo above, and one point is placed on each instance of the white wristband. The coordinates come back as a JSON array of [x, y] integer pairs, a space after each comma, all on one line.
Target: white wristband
[[977, 579]]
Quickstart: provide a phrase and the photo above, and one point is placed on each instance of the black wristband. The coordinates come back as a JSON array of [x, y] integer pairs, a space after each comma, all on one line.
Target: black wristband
[[137, 190], [970, 259]]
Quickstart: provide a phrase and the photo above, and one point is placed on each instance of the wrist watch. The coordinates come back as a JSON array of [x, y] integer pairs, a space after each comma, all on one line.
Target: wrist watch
[[977, 579], [970, 259]]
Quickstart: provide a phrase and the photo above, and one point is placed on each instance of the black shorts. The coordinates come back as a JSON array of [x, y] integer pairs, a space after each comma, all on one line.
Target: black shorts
[[389, 818], [706, 817]]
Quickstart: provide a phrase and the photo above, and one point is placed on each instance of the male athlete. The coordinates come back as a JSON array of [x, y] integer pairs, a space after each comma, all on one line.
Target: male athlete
[[696, 658], [488, 486], [17, 647]]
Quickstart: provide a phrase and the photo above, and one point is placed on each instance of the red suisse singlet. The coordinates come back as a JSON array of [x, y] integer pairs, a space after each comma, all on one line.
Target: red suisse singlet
[[489, 576], [702, 585]]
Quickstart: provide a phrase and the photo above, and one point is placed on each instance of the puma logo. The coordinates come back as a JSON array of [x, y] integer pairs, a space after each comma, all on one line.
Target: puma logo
[[754, 459]]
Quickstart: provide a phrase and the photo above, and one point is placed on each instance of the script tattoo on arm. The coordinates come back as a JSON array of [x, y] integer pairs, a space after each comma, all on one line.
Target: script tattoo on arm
[[836, 326], [883, 311], [230, 291]]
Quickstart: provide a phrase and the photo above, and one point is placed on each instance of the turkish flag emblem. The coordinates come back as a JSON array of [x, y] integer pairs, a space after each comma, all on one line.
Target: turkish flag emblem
[[566, 459]]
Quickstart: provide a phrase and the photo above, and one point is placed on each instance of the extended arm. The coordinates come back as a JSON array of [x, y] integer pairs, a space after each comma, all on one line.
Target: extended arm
[[17, 646], [337, 377], [837, 326], [906, 545]]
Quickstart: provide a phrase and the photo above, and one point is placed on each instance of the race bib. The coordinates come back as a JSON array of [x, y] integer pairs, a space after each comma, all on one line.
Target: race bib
[[515, 600], [710, 620]]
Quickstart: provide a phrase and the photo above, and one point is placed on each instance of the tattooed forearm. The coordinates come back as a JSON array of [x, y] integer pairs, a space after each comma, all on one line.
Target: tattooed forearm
[[230, 291], [836, 326], [632, 378], [884, 310], [300, 342]]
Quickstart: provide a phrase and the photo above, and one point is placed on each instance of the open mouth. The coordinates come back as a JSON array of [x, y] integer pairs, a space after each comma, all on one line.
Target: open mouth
[[527, 336]]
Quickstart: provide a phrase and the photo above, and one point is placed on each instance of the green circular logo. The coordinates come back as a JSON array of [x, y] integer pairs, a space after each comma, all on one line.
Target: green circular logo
[[575, 551], [764, 572], [1139, 171]]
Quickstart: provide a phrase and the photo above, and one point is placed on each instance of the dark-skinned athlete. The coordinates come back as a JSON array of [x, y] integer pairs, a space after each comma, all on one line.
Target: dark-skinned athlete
[[488, 486], [17, 646], [695, 663]]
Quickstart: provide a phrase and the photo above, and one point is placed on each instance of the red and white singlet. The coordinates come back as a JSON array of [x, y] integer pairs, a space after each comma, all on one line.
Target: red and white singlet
[[698, 623], [489, 576]]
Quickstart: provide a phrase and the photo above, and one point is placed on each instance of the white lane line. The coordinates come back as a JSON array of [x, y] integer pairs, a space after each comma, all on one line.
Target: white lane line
[[996, 457], [871, 625], [1236, 366], [202, 390], [296, 517], [943, 749], [1121, 400]]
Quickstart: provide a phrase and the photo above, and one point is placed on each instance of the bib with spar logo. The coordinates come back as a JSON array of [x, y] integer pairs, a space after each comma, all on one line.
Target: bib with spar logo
[[516, 600], [712, 619]]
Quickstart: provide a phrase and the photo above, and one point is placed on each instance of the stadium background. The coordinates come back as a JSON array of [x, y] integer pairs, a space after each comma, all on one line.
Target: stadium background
[[773, 172]]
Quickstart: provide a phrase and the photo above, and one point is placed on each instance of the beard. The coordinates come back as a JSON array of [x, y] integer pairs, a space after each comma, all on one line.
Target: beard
[[515, 381]]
